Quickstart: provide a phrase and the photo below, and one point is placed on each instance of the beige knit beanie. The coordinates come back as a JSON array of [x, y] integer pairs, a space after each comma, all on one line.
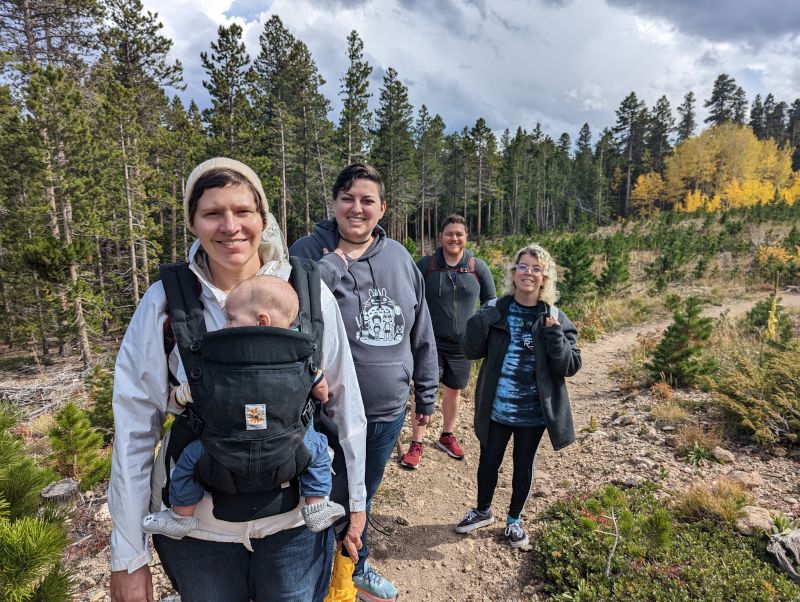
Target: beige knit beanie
[[233, 165]]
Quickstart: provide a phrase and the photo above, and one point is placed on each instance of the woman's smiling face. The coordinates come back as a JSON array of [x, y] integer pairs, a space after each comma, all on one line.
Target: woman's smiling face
[[358, 209], [229, 227]]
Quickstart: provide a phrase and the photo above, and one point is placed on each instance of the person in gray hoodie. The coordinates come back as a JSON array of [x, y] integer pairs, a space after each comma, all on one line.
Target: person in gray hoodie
[[381, 296]]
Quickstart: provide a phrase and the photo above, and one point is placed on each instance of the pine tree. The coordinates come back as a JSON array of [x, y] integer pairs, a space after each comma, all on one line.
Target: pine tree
[[429, 142], [77, 448], [230, 118], [484, 144], [660, 125], [393, 151], [688, 118], [355, 119], [578, 282], [616, 275], [32, 542], [774, 119], [679, 357], [629, 132], [757, 118], [723, 104]]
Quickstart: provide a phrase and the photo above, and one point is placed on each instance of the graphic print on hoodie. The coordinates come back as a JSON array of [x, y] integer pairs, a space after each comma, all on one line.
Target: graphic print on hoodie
[[381, 296], [381, 321]]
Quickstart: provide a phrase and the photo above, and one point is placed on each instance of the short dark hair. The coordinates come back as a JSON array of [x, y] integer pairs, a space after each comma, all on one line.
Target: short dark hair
[[454, 219], [220, 178], [358, 171]]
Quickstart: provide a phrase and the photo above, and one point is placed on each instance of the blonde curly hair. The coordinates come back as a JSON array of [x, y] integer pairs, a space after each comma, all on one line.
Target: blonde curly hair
[[548, 293]]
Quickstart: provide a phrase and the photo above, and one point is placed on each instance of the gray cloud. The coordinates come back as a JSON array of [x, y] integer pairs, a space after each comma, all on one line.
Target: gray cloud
[[724, 20]]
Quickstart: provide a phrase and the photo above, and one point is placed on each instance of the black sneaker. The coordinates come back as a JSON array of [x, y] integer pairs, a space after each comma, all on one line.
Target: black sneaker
[[516, 535], [474, 519]]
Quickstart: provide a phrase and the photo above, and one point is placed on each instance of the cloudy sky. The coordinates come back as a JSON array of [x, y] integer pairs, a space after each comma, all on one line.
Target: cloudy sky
[[519, 62]]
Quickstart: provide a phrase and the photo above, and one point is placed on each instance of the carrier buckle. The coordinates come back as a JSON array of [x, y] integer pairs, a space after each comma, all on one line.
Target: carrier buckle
[[308, 413]]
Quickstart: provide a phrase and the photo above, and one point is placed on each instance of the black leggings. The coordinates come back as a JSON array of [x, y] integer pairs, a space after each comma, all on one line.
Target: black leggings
[[526, 442]]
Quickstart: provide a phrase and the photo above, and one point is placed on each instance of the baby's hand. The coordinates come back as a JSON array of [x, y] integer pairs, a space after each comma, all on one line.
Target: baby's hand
[[320, 390]]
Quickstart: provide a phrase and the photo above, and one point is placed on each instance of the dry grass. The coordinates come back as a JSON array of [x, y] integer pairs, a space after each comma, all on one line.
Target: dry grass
[[632, 373], [668, 413], [661, 390], [722, 501], [705, 436]]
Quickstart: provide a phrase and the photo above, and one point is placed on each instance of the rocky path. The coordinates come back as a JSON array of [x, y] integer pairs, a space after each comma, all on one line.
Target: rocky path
[[417, 510]]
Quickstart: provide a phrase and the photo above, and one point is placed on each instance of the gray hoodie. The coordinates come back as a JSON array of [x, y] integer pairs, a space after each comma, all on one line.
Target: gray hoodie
[[382, 299]]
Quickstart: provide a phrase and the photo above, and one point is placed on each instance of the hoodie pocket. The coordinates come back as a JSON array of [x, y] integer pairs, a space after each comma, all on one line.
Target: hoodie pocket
[[384, 385]]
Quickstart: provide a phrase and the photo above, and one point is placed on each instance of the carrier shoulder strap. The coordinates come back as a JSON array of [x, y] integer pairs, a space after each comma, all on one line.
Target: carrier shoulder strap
[[183, 301], [306, 281]]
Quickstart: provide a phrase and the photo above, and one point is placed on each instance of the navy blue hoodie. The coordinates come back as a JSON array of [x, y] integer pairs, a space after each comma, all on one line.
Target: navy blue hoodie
[[381, 296]]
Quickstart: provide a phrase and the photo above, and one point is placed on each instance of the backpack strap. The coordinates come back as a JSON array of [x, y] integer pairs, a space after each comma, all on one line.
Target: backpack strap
[[431, 264], [306, 281]]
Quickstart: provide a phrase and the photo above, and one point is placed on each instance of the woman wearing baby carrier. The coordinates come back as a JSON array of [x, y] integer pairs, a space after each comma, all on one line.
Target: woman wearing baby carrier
[[271, 558], [528, 348]]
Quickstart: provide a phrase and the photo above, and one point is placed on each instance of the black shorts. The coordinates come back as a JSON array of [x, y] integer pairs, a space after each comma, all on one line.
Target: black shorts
[[454, 370]]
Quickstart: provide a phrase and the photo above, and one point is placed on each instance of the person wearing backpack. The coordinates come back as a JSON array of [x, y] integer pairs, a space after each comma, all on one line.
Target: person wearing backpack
[[455, 282], [528, 347], [273, 556]]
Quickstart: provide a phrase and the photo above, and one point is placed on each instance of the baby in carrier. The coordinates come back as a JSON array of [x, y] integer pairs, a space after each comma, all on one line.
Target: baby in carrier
[[259, 301]]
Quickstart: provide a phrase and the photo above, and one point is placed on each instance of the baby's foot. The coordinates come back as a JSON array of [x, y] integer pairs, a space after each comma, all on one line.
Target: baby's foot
[[168, 523], [322, 515]]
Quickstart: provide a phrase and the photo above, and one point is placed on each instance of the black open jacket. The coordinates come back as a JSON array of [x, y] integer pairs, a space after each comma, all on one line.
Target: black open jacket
[[487, 336]]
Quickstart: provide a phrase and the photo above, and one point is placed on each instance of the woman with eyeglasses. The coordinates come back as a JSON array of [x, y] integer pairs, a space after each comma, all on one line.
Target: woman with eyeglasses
[[528, 346]]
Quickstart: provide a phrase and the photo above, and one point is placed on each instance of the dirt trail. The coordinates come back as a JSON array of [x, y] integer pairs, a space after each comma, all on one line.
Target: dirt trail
[[427, 560]]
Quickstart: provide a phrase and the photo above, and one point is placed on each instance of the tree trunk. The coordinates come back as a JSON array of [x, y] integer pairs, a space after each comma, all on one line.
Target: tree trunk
[[129, 205], [173, 223], [284, 191]]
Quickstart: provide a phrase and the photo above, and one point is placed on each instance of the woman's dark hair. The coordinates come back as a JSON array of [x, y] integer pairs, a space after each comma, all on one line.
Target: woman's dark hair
[[220, 178], [358, 171]]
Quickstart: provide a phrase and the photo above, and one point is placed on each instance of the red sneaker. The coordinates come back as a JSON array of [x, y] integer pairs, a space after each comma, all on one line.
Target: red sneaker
[[412, 456], [449, 445]]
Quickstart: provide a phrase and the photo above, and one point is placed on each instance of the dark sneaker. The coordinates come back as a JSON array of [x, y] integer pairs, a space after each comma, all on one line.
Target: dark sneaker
[[475, 519], [516, 535], [449, 445], [412, 457], [374, 588]]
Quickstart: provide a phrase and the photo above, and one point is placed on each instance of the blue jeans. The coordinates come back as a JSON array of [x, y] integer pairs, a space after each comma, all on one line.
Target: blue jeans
[[290, 566], [381, 437], [314, 481]]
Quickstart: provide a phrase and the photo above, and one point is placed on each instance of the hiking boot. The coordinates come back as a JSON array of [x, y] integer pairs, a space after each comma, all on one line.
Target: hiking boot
[[449, 445], [516, 535], [170, 524], [322, 515], [412, 457], [475, 519], [374, 588]]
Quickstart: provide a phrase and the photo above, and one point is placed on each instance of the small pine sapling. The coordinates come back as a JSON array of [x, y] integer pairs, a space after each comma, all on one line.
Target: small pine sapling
[[77, 448]]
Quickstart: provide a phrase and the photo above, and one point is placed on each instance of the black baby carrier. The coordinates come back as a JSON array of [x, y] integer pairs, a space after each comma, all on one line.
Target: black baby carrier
[[250, 390]]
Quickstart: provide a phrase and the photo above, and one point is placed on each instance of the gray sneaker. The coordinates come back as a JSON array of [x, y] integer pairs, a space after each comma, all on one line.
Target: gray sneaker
[[475, 519], [322, 515], [516, 535], [170, 524]]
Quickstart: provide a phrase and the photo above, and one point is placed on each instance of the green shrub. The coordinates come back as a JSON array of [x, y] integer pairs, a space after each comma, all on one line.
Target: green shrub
[[77, 448], [658, 558], [762, 393], [680, 357], [101, 389], [32, 539], [757, 322]]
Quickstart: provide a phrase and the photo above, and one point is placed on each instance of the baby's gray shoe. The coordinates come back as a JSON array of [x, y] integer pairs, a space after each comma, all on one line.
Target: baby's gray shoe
[[170, 524], [322, 515]]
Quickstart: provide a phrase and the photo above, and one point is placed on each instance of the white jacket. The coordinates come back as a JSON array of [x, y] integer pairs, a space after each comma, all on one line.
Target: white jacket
[[140, 404]]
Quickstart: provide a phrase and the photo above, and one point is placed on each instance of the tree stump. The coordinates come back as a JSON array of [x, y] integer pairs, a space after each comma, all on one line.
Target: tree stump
[[65, 491]]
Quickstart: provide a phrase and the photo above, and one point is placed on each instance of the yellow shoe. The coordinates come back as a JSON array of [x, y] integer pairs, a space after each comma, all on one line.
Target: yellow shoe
[[342, 588]]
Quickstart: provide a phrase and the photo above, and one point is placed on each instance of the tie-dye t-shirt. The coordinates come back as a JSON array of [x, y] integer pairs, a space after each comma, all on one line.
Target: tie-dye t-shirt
[[516, 401]]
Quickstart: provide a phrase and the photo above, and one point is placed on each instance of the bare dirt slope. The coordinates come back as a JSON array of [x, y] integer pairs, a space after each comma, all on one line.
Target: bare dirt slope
[[427, 560]]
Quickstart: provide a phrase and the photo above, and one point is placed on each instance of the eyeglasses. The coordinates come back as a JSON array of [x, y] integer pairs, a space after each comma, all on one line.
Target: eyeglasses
[[525, 268]]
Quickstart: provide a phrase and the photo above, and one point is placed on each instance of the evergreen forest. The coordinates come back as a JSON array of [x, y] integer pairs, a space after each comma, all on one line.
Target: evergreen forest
[[95, 145]]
